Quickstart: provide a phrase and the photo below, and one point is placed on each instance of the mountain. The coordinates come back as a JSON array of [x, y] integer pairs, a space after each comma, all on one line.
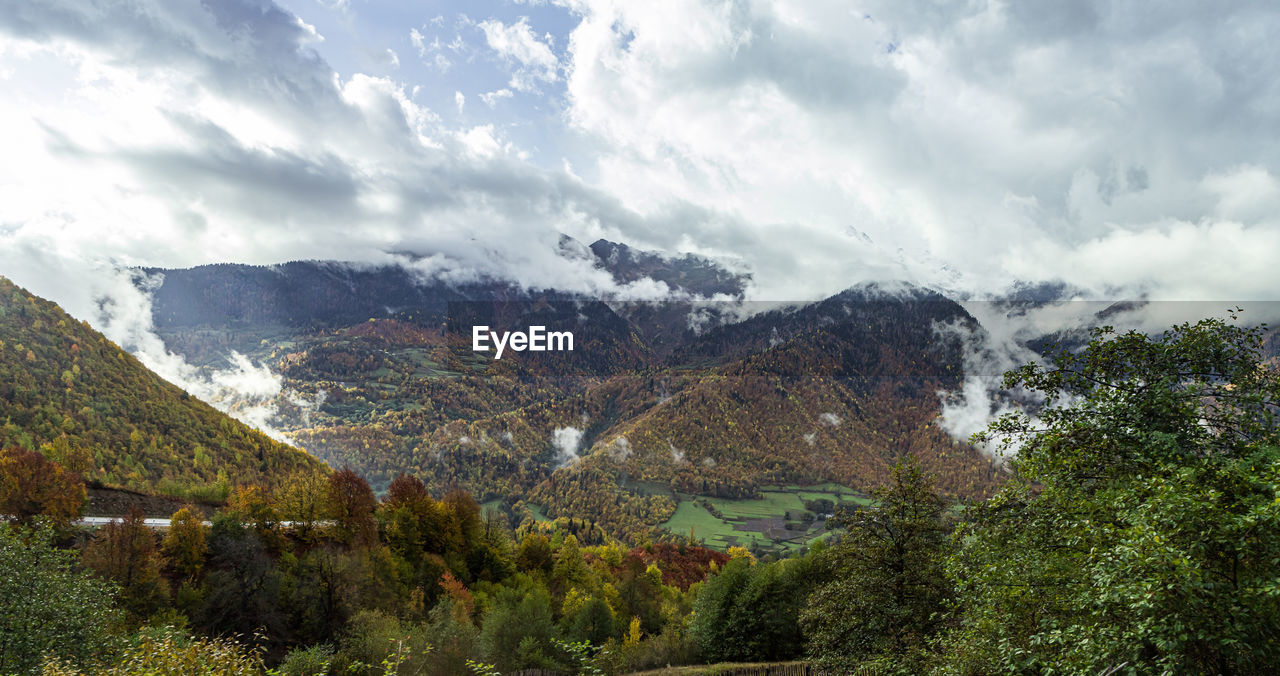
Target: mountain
[[207, 310], [658, 404], [833, 392], [688, 273], [81, 400]]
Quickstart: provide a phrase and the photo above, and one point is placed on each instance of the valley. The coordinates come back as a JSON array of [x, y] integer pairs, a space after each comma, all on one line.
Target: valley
[[828, 393]]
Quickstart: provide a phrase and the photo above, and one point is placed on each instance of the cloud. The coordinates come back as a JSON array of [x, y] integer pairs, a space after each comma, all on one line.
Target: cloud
[[533, 60], [620, 449], [965, 146], [117, 302], [677, 455], [491, 98], [999, 344], [566, 441], [430, 52], [955, 138], [248, 147], [213, 133]]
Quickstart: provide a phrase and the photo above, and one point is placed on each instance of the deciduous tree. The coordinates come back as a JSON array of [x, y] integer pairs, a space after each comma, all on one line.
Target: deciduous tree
[[1141, 528]]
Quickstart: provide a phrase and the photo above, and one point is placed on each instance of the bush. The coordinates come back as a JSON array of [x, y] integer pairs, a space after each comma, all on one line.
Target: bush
[[380, 643], [312, 661], [170, 651]]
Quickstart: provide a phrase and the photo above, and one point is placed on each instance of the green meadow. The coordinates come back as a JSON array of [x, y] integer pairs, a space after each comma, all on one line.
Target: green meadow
[[762, 521]]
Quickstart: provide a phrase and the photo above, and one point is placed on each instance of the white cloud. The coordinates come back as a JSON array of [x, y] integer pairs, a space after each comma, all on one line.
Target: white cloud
[[532, 57], [429, 52], [998, 345], [491, 98], [677, 455], [620, 449], [566, 441], [965, 145], [480, 141], [952, 137]]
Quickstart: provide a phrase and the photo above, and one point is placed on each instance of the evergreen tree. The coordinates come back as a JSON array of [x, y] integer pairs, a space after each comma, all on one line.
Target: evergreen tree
[[889, 586]]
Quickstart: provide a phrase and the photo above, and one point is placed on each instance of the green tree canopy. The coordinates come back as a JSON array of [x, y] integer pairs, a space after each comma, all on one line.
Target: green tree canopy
[[1140, 528], [48, 606], [889, 586]]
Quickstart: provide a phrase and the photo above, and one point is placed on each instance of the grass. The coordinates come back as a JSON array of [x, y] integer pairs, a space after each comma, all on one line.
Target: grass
[[730, 528], [536, 511], [692, 515], [774, 503]]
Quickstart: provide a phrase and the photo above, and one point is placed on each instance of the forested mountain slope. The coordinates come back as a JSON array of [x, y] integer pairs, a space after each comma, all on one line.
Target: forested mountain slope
[[70, 393], [647, 411]]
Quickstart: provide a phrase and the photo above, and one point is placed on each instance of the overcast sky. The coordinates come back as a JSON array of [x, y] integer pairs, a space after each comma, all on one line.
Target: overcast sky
[[1125, 148]]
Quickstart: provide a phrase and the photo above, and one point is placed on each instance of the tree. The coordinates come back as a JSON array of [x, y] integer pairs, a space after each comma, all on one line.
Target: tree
[[31, 485], [254, 505], [415, 525], [768, 609], [242, 588], [184, 545], [170, 651], [302, 500], [350, 504], [325, 594], [406, 490], [593, 622], [47, 605], [534, 555], [377, 638], [1140, 525], [640, 593], [449, 627], [888, 589], [125, 552], [713, 628], [517, 630]]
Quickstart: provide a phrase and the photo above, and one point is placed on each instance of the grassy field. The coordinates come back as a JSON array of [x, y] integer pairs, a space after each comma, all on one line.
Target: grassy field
[[760, 521], [536, 511], [829, 491], [717, 533]]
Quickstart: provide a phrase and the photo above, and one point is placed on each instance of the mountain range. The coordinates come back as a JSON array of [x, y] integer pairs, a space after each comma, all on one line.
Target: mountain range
[[659, 403]]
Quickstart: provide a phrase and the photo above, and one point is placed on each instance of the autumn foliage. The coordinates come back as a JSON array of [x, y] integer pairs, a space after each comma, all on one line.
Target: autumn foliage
[[31, 485]]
